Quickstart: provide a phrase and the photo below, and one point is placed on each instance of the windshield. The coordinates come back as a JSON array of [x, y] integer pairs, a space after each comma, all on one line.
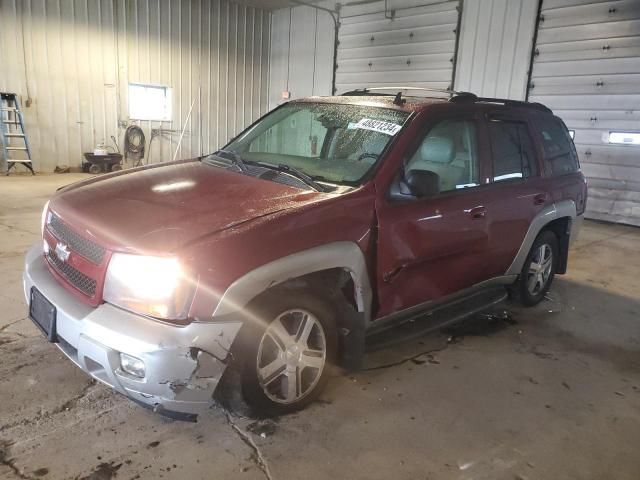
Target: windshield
[[328, 142]]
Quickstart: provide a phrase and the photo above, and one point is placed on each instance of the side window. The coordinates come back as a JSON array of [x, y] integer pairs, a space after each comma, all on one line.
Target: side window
[[559, 152], [512, 150], [449, 149]]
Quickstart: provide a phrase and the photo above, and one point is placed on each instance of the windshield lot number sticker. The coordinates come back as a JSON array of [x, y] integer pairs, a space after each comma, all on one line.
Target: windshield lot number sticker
[[379, 126]]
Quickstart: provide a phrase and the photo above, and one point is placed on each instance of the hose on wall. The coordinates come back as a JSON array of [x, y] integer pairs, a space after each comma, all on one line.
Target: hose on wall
[[134, 143]]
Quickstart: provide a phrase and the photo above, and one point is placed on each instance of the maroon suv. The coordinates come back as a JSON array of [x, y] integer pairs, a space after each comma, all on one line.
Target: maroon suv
[[323, 224]]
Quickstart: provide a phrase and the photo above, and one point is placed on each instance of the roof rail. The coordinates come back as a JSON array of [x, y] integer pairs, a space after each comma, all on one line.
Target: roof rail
[[462, 97], [395, 88], [363, 92], [398, 100]]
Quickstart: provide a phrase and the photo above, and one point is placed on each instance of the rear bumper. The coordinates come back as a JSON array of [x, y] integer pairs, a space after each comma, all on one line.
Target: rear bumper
[[183, 364]]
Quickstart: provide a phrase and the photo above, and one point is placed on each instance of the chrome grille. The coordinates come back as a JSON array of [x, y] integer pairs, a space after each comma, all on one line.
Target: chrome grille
[[88, 249], [85, 284]]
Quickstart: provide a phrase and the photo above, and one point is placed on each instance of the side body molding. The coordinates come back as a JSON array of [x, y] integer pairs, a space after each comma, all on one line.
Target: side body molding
[[346, 255], [561, 209]]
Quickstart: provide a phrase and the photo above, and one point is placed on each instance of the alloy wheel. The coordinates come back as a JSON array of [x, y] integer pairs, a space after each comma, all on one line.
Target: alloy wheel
[[291, 356], [540, 269]]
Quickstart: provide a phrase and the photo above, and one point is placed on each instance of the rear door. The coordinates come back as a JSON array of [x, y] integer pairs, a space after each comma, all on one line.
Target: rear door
[[517, 189], [431, 247]]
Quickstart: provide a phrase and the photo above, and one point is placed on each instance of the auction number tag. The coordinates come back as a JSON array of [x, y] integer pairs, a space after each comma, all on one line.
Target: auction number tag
[[379, 126]]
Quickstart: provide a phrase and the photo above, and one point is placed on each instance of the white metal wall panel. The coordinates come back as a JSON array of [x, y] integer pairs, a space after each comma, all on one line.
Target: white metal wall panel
[[301, 60], [495, 46], [78, 56], [414, 48], [587, 69]]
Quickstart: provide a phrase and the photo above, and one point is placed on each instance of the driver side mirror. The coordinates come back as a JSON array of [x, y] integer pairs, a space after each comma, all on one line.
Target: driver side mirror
[[422, 183]]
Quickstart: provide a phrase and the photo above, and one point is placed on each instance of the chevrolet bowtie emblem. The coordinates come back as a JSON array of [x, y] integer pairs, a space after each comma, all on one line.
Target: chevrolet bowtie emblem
[[62, 252]]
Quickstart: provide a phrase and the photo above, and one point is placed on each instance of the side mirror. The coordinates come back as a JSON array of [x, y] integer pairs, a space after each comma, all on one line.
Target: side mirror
[[423, 183]]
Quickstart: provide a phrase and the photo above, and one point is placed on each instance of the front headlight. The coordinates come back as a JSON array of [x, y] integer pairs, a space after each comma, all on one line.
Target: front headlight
[[154, 286]]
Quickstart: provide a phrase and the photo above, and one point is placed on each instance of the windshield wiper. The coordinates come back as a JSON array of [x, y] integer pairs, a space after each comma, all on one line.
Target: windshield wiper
[[235, 159], [294, 172]]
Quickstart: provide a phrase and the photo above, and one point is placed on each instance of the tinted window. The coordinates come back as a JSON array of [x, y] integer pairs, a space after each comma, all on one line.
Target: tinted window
[[512, 149], [559, 152], [449, 149]]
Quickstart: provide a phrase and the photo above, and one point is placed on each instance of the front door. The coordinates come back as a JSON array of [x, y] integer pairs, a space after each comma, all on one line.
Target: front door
[[431, 247]]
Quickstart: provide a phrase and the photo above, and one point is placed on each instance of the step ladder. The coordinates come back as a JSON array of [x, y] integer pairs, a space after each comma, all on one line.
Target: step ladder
[[15, 146]]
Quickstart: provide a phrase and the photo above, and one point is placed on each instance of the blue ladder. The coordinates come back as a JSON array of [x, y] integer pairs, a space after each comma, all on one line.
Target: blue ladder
[[14, 137]]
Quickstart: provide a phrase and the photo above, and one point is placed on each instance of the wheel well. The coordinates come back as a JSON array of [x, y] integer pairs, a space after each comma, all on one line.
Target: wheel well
[[335, 283], [337, 288], [561, 227]]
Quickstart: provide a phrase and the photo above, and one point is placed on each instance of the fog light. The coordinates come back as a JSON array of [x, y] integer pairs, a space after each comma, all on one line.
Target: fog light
[[132, 365]]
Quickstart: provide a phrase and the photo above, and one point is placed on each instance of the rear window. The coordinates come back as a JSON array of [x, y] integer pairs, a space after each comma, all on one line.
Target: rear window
[[559, 151]]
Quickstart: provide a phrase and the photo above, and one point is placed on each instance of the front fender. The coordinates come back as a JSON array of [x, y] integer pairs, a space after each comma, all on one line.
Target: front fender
[[342, 254]]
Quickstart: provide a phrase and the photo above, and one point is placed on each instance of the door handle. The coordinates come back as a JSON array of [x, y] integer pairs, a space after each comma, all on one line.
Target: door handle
[[540, 199], [477, 212]]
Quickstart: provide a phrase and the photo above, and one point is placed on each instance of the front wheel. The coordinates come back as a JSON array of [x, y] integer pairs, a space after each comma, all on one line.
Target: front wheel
[[290, 345], [538, 270]]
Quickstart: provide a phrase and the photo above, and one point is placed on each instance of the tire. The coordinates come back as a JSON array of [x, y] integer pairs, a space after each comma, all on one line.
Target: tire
[[539, 270], [95, 169], [283, 365]]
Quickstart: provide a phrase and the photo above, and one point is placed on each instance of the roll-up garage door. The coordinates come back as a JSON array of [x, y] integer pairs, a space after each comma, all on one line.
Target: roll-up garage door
[[586, 67], [408, 43]]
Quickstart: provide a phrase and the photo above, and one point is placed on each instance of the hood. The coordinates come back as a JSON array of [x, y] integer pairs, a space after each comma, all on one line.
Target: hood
[[160, 208]]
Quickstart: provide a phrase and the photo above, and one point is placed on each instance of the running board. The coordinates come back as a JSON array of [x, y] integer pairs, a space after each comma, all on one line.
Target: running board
[[416, 325]]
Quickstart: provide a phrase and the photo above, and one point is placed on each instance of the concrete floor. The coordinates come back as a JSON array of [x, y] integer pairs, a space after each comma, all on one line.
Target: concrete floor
[[553, 394]]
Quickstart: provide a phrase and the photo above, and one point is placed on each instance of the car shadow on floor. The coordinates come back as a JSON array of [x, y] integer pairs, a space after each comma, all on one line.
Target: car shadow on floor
[[574, 316]]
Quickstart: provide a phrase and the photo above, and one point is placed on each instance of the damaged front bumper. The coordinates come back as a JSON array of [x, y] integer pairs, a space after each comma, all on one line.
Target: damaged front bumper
[[183, 364]]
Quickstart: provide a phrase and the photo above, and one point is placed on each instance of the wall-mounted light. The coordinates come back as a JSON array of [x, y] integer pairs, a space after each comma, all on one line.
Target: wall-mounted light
[[624, 138]]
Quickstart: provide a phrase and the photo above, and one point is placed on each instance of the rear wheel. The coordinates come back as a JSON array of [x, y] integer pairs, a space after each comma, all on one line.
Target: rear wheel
[[538, 270], [289, 346]]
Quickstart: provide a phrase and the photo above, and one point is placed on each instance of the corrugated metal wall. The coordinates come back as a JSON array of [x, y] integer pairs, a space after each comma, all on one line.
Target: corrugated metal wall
[[495, 46], [75, 58], [412, 43], [301, 53], [415, 47], [587, 69]]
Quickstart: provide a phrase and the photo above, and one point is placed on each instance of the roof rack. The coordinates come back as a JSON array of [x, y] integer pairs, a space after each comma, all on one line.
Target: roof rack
[[462, 97], [395, 88], [398, 100], [455, 96]]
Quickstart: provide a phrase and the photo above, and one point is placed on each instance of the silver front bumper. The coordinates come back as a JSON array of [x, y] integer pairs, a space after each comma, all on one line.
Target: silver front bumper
[[183, 363]]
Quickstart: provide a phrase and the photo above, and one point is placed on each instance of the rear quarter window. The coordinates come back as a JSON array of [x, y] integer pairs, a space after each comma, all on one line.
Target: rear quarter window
[[559, 152]]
